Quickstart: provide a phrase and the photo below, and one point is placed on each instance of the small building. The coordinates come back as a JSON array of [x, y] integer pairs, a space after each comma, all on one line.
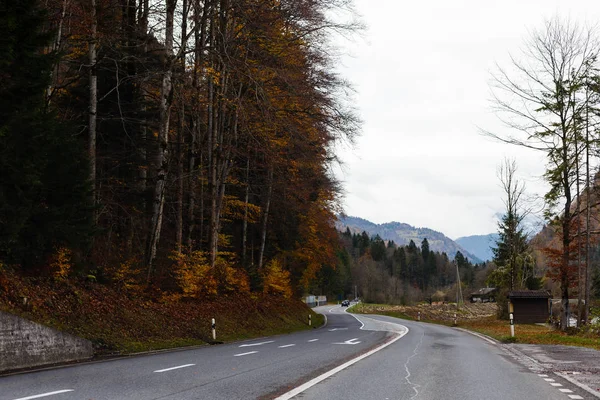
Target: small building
[[484, 295], [530, 306]]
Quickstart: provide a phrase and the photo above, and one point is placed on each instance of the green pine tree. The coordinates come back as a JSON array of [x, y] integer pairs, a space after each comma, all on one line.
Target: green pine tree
[[43, 173]]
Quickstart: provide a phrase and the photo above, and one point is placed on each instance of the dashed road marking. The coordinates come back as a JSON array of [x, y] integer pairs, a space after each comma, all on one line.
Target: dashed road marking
[[37, 396], [286, 345], [245, 354], [256, 344], [549, 379], [172, 368], [312, 340], [543, 375], [292, 393], [566, 390], [575, 396], [555, 384]]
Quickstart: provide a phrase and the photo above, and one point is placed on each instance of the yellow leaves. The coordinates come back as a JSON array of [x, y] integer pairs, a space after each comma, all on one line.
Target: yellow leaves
[[126, 275], [193, 274], [231, 278], [276, 280], [61, 263], [235, 209]]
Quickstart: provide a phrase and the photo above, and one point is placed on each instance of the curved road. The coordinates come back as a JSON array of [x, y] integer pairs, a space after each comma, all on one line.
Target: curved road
[[438, 362], [352, 357]]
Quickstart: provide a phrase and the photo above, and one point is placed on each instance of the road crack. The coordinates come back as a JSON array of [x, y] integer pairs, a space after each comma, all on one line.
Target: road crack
[[414, 386]]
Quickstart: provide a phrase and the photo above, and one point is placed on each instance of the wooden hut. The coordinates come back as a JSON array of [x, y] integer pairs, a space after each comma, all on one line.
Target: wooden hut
[[530, 306]]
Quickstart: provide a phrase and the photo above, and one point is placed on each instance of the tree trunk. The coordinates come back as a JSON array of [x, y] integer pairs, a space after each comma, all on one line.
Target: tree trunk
[[57, 42], [566, 239], [586, 309], [199, 40], [263, 234], [161, 158], [93, 102], [245, 222], [181, 139]]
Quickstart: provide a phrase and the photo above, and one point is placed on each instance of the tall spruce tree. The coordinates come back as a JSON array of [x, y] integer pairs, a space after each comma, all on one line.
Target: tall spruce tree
[[43, 176]]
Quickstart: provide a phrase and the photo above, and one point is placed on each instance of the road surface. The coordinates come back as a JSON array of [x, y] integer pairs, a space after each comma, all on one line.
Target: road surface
[[362, 357]]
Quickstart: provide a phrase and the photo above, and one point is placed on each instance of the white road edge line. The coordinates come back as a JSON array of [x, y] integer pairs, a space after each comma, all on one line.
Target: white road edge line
[[320, 378], [245, 354], [37, 396], [256, 344], [579, 384], [172, 368], [479, 335]]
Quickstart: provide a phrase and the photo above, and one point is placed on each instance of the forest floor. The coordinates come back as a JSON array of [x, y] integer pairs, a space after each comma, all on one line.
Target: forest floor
[[482, 318], [129, 321]]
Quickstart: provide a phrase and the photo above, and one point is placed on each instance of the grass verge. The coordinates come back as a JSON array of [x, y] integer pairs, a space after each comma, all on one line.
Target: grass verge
[[470, 319]]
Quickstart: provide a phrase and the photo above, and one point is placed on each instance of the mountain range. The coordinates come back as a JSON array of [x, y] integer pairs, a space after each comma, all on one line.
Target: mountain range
[[402, 234], [479, 245]]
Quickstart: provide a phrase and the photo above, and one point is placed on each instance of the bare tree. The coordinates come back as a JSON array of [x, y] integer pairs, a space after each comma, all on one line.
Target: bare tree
[[539, 98]]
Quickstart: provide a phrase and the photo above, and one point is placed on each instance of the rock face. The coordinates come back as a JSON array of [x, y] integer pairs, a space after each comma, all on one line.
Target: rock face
[[26, 344]]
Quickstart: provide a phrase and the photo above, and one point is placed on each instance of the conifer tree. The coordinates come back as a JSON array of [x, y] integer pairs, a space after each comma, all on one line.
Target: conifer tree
[[43, 185]]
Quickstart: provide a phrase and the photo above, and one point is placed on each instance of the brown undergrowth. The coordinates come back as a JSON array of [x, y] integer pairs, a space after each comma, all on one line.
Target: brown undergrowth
[[122, 321]]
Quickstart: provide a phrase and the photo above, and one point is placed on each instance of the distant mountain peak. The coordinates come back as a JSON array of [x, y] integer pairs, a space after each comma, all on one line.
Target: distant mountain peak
[[402, 233]]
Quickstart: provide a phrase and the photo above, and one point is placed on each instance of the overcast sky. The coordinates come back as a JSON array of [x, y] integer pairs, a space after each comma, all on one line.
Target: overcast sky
[[422, 72]]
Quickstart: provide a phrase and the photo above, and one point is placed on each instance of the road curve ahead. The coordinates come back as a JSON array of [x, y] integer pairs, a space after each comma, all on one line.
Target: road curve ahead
[[433, 362], [262, 368]]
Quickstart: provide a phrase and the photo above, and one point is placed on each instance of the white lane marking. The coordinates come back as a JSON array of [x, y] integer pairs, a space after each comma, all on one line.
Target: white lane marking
[[566, 390], [549, 379], [177, 367], [575, 396], [245, 354], [313, 340], [479, 335], [256, 344], [37, 396], [362, 324], [555, 384], [543, 375], [580, 385], [338, 329], [350, 341], [320, 378], [286, 345]]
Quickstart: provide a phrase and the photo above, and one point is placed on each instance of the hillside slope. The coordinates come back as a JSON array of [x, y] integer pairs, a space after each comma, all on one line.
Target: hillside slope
[[402, 234]]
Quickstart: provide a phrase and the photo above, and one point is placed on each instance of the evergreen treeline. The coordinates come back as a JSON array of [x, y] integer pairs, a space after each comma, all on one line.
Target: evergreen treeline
[[384, 272], [185, 144]]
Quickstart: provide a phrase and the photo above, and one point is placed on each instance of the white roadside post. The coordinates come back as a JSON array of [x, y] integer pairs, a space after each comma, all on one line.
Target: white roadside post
[[309, 320], [214, 329], [455, 320], [419, 316], [512, 319]]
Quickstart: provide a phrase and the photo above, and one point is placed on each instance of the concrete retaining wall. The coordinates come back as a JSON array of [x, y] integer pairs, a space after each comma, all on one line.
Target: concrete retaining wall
[[26, 344]]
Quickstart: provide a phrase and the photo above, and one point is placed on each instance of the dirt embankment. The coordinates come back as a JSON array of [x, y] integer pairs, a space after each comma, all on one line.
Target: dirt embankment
[[128, 321]]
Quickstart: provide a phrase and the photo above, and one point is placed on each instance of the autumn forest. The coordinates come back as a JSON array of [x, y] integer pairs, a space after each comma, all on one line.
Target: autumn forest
[[184, 145]]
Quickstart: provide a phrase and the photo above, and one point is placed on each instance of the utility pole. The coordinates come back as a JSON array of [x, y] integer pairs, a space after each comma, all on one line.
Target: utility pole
[[458, 287]]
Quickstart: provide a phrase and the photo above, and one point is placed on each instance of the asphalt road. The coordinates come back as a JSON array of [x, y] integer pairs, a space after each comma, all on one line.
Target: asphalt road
[[260, 368], [438, 362], [363, 357]]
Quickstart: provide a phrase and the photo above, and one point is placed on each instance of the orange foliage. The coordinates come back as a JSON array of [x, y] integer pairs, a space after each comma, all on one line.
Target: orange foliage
[[276, 280]]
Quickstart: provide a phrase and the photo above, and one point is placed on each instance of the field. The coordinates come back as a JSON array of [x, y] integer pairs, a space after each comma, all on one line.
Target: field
[[482, 318]]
